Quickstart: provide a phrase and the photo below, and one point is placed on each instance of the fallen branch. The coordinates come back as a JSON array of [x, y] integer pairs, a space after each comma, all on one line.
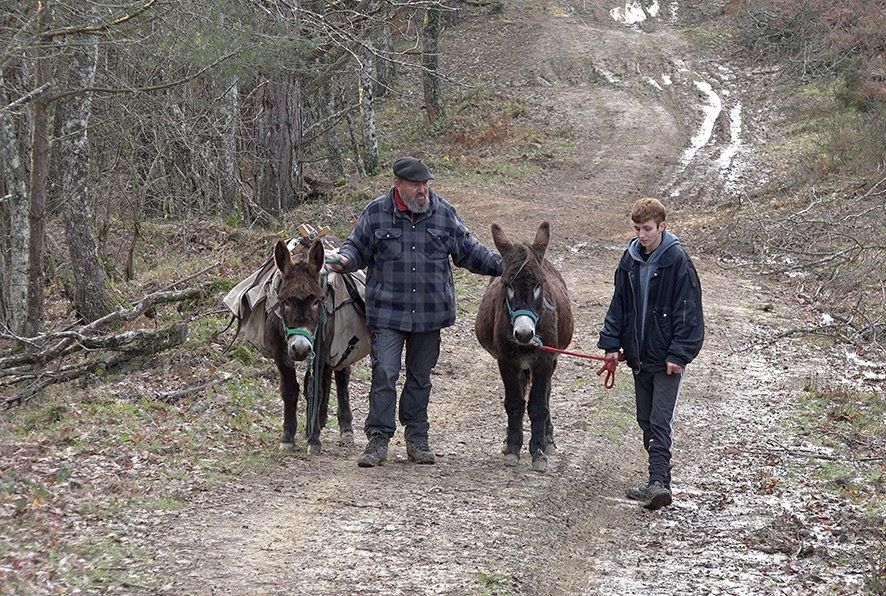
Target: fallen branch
[[68, 341], [172, 397], [130, 344]]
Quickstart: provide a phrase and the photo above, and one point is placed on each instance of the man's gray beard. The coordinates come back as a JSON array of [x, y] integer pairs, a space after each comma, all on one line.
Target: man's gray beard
[[417, 206]]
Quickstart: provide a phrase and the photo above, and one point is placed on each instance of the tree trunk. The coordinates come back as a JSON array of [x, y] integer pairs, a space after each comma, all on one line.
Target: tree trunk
[[370, 136], [19, 221], [431, 61], [91, 298], [228, 174], [333, 154], [386, 68], [40, 130], [355, 147], [278, 133]]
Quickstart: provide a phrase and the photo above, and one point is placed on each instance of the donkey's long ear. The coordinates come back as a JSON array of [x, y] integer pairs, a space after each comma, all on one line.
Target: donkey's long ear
[[542, 237], [501, 241], [315, 256], [282, 257]]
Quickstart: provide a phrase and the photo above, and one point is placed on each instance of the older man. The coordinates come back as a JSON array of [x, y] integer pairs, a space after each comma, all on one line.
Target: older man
[[404, 240]]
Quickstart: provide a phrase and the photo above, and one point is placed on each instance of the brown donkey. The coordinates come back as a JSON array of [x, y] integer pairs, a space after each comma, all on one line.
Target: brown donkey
[[525, 307], [297, 329]]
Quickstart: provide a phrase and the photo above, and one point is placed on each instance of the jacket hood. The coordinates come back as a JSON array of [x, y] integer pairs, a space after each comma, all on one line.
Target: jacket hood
[[668, 241]]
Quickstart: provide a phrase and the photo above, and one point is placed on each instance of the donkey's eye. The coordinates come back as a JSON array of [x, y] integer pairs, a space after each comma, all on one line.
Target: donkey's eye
[[510, 293], [537, 291]]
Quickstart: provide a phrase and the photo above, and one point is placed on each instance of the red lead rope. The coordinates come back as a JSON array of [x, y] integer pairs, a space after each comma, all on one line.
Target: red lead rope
[[609, 364]]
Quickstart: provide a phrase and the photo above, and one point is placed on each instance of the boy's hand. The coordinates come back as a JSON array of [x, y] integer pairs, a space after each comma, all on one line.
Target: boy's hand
[[674, 369], [336, 262]]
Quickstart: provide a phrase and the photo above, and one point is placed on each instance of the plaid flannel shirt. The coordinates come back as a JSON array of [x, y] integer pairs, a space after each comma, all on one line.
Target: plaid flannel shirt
[[409, 285]]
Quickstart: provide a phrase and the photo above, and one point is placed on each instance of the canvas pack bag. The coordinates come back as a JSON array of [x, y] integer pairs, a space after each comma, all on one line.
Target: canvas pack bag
[[346, 305]]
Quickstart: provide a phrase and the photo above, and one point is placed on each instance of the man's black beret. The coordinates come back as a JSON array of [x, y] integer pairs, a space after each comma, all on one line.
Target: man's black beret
[[411, 168]]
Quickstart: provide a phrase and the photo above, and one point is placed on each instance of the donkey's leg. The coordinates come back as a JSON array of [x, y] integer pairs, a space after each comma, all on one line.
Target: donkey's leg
[[325, 389], [345, 417], [289, 393], [550, 446], [539, 414], [515, 407]]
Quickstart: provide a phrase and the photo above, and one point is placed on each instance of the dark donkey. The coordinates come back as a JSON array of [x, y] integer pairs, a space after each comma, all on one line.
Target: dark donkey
[[527, 305], [292, 327]]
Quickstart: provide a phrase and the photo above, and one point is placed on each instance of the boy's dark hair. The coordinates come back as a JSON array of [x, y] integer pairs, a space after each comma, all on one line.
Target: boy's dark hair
[[646, 209]]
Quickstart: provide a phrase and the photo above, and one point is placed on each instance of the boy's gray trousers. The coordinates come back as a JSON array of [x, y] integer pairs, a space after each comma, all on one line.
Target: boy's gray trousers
[[656, 394]]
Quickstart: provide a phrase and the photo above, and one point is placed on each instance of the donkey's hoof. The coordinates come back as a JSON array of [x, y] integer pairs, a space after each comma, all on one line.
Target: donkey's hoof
[[539, 462], [512, 459], [284, 446], [550, 449], [314, 449], [346, 438]]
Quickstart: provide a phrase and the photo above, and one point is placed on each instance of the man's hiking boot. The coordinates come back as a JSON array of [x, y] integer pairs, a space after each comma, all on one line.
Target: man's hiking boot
[[375, 453], [420, 453], [657, 496], [637, 493]]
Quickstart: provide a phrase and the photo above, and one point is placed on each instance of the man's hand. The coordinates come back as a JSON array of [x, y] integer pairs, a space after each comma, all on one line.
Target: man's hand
[[613, 355], [674, 369], [336, 262]]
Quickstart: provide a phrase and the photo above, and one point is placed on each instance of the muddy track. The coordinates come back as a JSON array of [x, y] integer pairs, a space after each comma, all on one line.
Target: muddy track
[[321, 525]]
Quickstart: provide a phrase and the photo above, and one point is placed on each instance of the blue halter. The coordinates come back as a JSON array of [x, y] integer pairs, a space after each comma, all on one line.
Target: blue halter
[[525, 312]]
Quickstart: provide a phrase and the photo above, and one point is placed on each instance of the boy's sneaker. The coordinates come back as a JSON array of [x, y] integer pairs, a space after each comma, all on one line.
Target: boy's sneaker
[[419, 452], [637, 493], [375, 453], [657, 496]]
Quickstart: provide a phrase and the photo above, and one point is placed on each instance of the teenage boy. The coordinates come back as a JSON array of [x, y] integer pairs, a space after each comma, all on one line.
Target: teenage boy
[[656, 317]]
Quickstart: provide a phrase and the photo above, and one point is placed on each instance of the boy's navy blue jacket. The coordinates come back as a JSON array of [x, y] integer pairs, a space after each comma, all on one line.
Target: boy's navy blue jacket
[[663, 324], [409, 285]]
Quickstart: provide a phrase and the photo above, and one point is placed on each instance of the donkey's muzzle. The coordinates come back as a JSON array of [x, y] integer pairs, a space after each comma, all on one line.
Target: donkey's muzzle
[[299, 347], [524, 329]]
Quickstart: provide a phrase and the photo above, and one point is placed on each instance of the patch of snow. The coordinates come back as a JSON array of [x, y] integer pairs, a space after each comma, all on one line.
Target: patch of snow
[[681, 66], [827, 319], [725, 159], [711, 111], [654, 83], [853, 357], [674, 8], [632, 12], [606, 74], [666, 79]]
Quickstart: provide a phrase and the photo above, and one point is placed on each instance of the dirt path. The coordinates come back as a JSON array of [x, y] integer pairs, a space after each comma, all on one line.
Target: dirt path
[[470, 525]]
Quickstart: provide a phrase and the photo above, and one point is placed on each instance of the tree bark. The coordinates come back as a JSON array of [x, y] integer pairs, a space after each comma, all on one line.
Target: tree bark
[[19, 222], [92, 298], [431, 61], [370, 135]]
